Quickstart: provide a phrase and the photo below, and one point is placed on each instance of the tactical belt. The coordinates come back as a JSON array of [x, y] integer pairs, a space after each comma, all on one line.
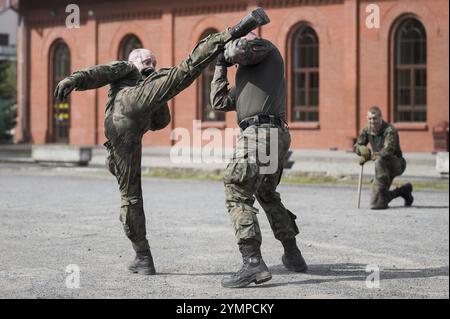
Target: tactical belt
[[261, 119]]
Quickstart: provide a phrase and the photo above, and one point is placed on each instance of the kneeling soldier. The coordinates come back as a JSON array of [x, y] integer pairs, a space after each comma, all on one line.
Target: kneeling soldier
[[388, 157]]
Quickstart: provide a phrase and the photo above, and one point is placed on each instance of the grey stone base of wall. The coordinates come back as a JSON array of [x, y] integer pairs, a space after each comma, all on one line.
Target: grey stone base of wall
[[442, 163], [301, 162], [339, 164], [67, 154], [48, 154]]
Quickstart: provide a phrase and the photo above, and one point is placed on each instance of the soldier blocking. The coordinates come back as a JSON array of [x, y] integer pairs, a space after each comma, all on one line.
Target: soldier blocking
[[137, 103]]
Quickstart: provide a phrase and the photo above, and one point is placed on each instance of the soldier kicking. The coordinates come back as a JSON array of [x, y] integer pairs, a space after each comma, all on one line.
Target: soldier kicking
[[388, 157], [259, 99], [137, 103]]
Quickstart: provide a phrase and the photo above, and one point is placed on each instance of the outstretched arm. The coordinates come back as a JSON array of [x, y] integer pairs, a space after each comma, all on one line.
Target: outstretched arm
[[93, 77], [164, 84]]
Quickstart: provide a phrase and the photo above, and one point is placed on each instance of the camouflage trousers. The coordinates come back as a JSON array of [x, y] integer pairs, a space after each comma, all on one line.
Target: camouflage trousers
[[124, 162], [385, 172], [246, 178]]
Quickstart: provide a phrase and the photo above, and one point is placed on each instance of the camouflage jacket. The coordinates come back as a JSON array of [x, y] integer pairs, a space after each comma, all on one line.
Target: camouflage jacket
[[127, 91], [385, 143], [136, 105]]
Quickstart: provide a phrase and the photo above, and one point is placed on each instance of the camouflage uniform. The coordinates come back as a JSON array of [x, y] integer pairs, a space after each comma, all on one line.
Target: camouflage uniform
[[260, 89], [135, 106], [389, 161]]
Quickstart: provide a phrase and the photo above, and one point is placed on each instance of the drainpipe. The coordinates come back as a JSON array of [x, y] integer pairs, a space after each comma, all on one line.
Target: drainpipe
[[358, 68], [22, 70], [22, 78]]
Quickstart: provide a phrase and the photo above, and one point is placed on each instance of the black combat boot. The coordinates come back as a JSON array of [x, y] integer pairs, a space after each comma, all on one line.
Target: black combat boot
[[382, 199], [405, 192], [254, 19], [142, 264], [253, 270], [292, 258]]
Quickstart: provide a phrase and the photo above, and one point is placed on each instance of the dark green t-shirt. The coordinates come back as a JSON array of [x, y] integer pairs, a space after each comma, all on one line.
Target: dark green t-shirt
[[261, 88], [260, 85]]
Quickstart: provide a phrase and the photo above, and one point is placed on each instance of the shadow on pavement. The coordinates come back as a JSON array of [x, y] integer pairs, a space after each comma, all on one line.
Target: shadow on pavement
[[340, 272], [402, 207], [357, 272], [195, 274], [417, 207]]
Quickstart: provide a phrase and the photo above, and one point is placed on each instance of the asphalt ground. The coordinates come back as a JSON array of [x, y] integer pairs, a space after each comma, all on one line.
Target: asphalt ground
[[56, 221]]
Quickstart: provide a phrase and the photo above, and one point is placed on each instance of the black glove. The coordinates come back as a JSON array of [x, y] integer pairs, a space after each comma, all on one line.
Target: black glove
[[64, 88], [221, 61]]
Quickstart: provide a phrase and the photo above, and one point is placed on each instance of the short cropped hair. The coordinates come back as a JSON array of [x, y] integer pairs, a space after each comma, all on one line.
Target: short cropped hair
[[375, 110]]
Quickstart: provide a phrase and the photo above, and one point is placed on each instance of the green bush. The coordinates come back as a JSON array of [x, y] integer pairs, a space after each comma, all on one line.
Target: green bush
[[8, 107], [8, 116]]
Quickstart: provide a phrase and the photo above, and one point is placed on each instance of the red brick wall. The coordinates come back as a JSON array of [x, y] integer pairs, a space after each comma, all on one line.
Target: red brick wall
[[332, 24], [376, 59], [172, 33]]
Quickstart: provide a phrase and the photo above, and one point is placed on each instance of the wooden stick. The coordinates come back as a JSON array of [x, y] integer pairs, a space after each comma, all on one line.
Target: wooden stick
[[358, 196]]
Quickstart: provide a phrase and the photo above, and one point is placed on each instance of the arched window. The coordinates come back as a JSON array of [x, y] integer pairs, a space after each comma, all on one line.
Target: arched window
[[204, 90], [128, 44], [305, 75], [60, 113], [410, 72]]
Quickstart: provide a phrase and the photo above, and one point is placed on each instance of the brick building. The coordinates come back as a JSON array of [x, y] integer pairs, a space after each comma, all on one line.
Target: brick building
[[339, 62]]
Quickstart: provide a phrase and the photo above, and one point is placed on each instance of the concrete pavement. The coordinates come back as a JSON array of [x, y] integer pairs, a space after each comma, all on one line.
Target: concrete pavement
[[57, 221]]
